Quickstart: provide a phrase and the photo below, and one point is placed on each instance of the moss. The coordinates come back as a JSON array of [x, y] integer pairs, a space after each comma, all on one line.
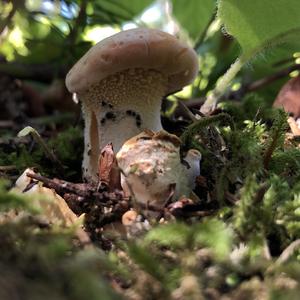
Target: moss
[[67, 146], [244, 156]]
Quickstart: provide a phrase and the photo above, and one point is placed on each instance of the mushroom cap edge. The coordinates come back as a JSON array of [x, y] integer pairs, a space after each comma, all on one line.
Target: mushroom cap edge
[[135, 48]]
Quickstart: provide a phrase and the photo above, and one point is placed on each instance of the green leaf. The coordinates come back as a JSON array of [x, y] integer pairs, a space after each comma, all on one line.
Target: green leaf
[[194, 15], [258, 25]]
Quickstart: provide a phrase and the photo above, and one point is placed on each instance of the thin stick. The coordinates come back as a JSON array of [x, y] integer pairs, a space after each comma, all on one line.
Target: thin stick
[[29, 130], [8, 18], [269, 79], [222, 85], [203, 34], [83, 190]]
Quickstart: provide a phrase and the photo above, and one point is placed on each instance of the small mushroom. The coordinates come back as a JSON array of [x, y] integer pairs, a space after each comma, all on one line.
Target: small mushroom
[[121, 81], [129, 217], [153, 171]]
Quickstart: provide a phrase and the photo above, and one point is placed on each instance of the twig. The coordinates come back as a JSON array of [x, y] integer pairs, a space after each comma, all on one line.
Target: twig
[[260, 83], [29, 130], [8, 168], [199, 213], [88, 192], [284, 61], [185, 110], [204, 32], [250, 87], [6, 124], [79, 23], [60, 118], [260, 193], [8, 18], [37, 72]]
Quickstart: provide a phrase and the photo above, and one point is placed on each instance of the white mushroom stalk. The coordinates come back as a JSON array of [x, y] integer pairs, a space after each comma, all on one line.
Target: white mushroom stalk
[[121, 81], [153, 171], [114, 112]]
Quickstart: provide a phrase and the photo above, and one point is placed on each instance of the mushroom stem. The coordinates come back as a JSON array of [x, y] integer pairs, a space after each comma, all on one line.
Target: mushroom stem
[[118, 108]]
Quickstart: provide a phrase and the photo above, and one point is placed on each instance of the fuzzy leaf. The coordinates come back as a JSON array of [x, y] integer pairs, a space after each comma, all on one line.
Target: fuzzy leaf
[[258, 25]]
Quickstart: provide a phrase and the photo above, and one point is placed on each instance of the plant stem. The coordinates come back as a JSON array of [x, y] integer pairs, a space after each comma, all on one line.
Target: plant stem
[[203, 35], [8, 19], [38, 139], [222, 85], [79, 24]]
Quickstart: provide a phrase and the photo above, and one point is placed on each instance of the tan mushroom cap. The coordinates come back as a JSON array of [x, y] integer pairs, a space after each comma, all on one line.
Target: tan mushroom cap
[[135, 48]]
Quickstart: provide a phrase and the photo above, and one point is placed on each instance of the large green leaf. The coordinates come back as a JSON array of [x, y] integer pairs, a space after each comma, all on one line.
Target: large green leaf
[[194, 15], [258, 24]]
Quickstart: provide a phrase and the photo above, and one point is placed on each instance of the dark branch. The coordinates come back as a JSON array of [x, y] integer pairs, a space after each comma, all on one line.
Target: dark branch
[[79, 25], [204, 32], [260, 83], [88, 192], [38, 72], [8, 19]]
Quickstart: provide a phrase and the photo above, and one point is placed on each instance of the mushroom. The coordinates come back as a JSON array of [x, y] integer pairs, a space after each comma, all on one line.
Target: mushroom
[[121, 81], [153, 171]]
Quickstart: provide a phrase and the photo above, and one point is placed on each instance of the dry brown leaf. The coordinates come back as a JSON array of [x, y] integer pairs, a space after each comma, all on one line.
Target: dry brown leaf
[[52, 206], [109, 173], [289, 97]]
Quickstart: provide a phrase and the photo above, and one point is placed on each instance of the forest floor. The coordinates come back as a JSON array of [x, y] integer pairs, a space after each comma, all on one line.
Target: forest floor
[[238, 239]]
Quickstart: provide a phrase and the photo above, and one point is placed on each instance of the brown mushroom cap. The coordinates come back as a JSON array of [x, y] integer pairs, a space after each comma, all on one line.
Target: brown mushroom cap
[[136, 48]]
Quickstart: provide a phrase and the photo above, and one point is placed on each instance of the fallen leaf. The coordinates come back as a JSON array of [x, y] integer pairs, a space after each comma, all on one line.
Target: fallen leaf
[[109, 173], [289, 97], [52, 207]]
